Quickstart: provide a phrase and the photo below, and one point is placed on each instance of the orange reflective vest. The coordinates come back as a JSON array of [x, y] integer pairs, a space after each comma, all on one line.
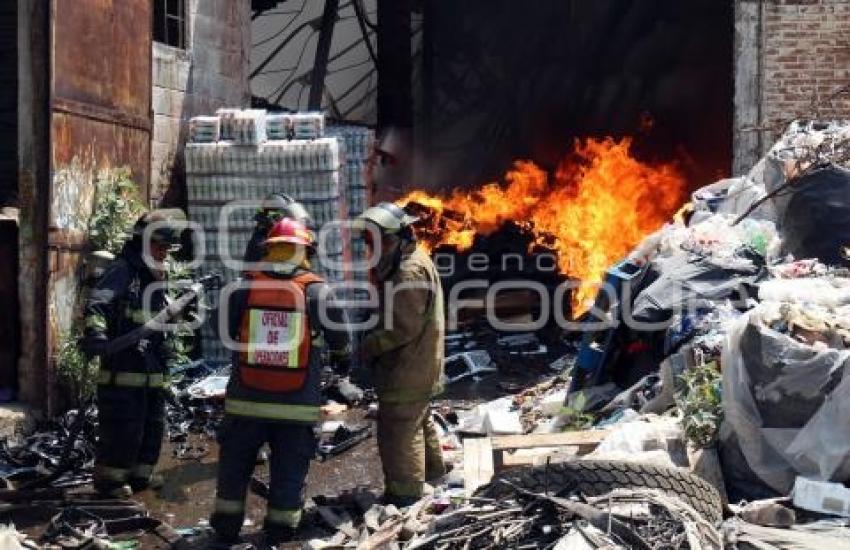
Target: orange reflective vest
[[274, 334]]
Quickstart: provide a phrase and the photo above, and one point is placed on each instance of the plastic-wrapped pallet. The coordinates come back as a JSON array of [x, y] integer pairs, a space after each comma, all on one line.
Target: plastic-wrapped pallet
[[279, 126], [358, 145], [269, 159], [358, 141], [308, 125], [226, 116], [249, 127], [223, 172], [204, 129]]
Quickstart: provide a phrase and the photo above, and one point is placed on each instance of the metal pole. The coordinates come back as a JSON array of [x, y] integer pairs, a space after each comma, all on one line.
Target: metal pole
[[323, 49]]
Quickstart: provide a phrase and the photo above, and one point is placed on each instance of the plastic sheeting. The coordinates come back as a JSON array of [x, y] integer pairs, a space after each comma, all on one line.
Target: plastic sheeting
[[684, 284], [816, 223], [824, 291], [653, 439], [786, 403]]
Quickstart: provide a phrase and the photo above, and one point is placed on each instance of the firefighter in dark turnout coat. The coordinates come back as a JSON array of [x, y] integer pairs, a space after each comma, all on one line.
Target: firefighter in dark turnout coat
[[274, 397], [131, 381]]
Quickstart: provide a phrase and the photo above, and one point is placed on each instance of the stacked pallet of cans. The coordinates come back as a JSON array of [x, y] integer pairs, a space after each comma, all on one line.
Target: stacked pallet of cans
[[228, 178], [358, 146]]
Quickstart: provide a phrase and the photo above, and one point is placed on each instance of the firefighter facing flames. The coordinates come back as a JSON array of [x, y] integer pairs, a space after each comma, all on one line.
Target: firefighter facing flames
[[406, 353]]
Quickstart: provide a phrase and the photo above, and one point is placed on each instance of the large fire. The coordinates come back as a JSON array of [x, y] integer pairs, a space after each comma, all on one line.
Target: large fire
[[598, 205]]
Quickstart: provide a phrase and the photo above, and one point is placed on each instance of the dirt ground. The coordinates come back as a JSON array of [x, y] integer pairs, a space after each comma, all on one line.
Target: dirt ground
[[187, 498], [189, 491]]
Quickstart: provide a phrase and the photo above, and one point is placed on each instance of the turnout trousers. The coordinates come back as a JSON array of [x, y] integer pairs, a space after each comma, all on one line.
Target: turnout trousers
[[131, 424], [292, 447], [410, 449]]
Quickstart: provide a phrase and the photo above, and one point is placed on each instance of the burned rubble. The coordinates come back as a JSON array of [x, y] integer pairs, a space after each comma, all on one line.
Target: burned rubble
[[706, 408], [730, 324]]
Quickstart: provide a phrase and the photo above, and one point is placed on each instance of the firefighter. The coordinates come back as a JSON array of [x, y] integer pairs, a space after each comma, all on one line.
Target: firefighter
[[274, 396], [273, 208], [132, 381], [405, 351]]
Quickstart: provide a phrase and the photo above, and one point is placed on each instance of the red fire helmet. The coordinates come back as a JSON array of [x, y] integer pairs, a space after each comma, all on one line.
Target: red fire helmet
[[288, 230]]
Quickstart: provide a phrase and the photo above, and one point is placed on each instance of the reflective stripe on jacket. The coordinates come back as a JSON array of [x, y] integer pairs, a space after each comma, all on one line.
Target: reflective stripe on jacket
[[132, 379], [290, 394], [119, 303]]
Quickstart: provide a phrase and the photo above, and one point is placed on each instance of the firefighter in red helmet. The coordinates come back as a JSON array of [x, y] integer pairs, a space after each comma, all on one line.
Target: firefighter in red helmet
[[279, 328]]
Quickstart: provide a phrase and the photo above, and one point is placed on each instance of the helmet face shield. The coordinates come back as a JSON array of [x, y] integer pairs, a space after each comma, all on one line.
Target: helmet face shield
[[276, 201], [278, 206], [163, 227], [388, 217], [296, 211]]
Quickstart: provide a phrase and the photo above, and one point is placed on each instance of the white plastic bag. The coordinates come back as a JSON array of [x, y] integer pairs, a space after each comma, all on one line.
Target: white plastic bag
[[648, 433], [824, 291]]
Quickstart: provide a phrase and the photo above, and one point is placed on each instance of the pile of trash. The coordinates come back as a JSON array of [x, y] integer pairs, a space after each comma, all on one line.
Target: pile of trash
[[738, 319], [508, 515], [716, 373], [476, 351], [59, 454], [195, 410]]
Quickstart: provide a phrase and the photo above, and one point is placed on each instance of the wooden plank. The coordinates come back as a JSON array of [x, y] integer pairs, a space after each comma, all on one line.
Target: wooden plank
[[583, 439], [512, 460], [477, 463]]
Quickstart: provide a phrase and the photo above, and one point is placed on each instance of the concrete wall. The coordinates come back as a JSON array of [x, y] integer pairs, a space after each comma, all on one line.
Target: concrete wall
[[790, 58], [211, 73]]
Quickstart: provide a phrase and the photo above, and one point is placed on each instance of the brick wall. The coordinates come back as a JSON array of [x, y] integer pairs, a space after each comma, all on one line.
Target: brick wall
[[806, 57], [790, 57], [212, 72]]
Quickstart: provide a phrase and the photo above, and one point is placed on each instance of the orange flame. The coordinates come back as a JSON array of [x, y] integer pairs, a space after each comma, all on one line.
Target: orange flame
[[599, 204]]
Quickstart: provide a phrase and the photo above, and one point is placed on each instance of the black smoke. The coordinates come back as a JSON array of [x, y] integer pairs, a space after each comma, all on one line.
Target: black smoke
[[507, 79]]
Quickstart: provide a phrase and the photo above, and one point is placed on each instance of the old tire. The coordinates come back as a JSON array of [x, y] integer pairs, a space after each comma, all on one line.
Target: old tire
[[597, 477]]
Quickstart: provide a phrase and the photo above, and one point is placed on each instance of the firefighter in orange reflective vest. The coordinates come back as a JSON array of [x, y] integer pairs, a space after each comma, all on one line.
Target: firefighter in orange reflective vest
[[273, 208], [279, 322]]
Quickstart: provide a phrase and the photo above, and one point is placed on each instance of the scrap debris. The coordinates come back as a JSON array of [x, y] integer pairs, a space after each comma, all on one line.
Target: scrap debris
[[525, 519], [343, 439], [195, 409], [60, 454], [732, 367]]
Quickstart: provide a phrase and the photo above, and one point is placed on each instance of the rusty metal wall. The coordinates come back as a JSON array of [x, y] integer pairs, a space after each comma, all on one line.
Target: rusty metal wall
[[100, 119], [101, 96], [102, 56]]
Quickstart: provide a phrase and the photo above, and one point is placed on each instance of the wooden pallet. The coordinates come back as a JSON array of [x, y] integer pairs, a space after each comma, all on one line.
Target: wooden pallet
[[484, 456]]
